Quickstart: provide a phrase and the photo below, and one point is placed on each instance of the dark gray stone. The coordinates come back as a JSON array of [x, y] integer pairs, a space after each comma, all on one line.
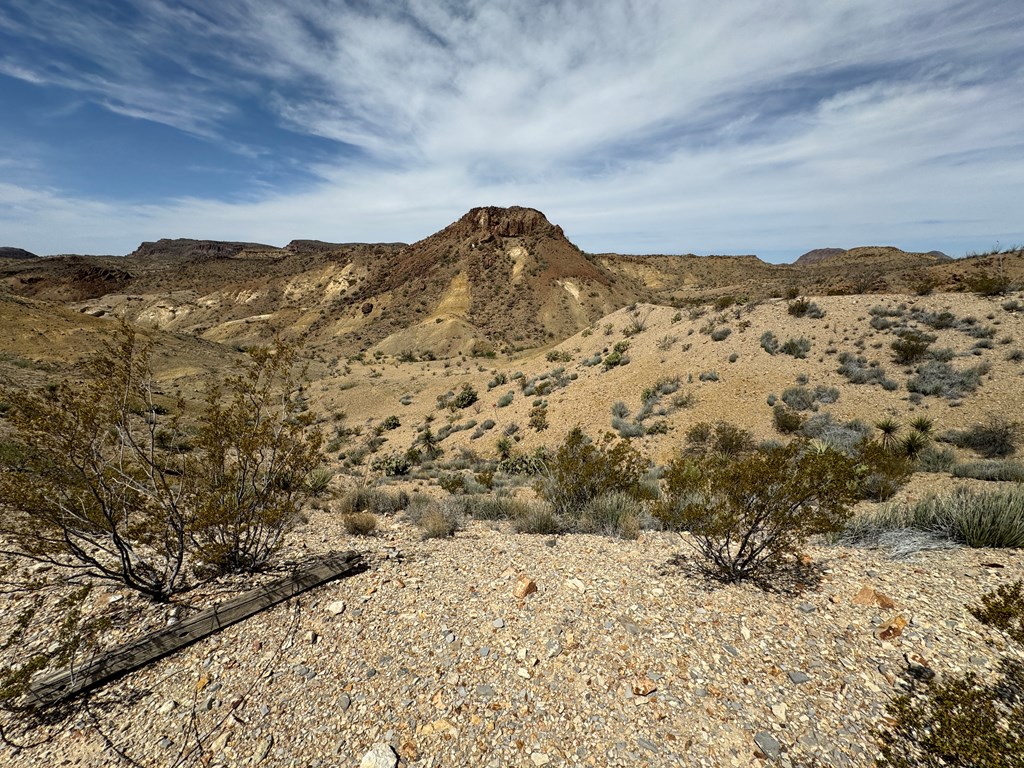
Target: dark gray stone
[[768, 745]]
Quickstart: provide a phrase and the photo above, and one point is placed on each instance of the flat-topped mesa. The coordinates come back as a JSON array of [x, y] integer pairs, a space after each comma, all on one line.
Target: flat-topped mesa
[[170, 248], [513, 221]]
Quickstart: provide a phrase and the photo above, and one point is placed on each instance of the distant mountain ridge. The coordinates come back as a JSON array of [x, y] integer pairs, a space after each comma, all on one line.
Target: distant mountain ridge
[[16, 253], [495, 279]]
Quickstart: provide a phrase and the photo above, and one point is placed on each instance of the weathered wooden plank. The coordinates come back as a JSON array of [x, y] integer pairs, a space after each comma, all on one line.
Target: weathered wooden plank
[[156, 645]]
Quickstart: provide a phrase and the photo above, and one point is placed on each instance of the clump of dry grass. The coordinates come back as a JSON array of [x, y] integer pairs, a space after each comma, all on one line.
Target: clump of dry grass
[[360, 523]]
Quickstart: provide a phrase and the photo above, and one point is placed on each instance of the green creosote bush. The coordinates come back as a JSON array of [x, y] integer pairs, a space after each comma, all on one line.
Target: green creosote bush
[[786, 420], [805, 308], [722, 438], [390, 423], [99, 495], [581, 470], [797, 348], [911, 346], [964, 720], [750, 515]]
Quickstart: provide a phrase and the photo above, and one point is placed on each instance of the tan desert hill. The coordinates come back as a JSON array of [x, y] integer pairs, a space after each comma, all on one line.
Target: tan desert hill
[[434, 654], [498, 279]]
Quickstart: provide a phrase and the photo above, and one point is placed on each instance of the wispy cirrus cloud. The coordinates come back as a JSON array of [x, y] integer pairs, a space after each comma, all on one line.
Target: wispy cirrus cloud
[[658, 126]]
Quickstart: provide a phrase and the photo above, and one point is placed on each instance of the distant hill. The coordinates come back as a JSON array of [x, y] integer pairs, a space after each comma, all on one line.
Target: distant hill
[[16, 253], [496, 279], [819, 254]]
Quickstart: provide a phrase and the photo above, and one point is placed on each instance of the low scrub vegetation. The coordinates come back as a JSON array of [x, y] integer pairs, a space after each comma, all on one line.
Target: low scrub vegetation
[[995, 439], [964, 720], [967, 517], [748, 515], [858, 370], [108, 489], [940, 379]]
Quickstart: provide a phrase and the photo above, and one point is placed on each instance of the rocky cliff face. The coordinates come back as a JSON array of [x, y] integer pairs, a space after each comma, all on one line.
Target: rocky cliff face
[[16, 253]]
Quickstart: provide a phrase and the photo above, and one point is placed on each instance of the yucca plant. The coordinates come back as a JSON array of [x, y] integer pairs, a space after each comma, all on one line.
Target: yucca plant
[[923, 425], [889, 428]]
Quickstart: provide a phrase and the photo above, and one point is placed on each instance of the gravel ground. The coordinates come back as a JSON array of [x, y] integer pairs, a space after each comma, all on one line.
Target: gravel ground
[[622, 656]]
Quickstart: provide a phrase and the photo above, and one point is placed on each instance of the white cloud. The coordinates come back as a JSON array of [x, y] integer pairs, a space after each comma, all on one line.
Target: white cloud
[[638, 126]]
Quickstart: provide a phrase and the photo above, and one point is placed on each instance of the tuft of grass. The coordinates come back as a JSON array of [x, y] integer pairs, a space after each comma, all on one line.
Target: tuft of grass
[[991, 469], [933, 459], [360, 523], [374, 500], [614, 514], [975, 519], [537, 518], [440, 521], [995, 439]]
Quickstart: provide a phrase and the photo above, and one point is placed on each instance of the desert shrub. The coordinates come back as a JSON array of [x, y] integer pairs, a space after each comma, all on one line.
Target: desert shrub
[[538, 418], [360, 523], [987, 284], [786, 420], [612, 514], [934, 459], [537, 518], [390, 423], [627, 428], [922, 424], [912, 444], [452, 482], [99, 495], [749, 515], [941, 379], [769, 342], [827, 395], [883, 471], [687, 400], [882, 311], [858, 370], [721, 334], [911, 346], [522, 464], [975, 519], [963, 720], [375, 500], [846, 438], [581, 470], [880, 323], [723, 438], [805, 308], [659, 427], [996, 438], [506, 399], [798, 398], [665, 343], [1015, 356], [392, 465], [797, 348], [992, 469], [490, 507], [440, 521], [709, 376], [558, 356], [620, 410], [318, 481], [465, 397]]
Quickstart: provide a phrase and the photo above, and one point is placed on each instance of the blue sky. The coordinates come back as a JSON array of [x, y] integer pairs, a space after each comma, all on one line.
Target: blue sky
[[640, 126]]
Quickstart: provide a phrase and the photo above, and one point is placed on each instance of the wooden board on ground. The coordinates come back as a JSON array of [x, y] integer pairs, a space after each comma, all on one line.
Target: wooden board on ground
[[138, 653]]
